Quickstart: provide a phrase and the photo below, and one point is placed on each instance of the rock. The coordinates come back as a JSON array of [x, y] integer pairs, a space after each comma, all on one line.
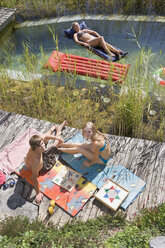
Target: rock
[[158, 242], [152, 112]]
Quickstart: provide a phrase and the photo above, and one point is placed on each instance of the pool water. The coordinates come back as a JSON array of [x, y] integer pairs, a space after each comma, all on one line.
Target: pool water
[[150, 35]]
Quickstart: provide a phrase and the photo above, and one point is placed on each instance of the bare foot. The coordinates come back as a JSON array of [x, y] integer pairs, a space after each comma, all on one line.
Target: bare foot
[[52, 129], [39, 198], [60, 127], [63, 125]]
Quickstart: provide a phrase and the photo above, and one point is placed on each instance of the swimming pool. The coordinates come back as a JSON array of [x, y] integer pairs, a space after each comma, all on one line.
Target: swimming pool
[[39, 37]]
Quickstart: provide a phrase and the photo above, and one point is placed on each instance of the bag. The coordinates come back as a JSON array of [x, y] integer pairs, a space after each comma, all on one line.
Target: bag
[[2, 178]]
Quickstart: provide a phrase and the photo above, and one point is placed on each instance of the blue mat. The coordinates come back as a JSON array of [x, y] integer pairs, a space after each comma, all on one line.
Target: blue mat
[[98, 174]]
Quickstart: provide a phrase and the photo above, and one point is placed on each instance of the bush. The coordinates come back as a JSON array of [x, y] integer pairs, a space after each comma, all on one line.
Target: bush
[[129, 238]]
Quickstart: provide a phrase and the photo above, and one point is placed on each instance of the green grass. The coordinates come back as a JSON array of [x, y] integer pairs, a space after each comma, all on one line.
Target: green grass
[[150, 223], [107, 231], [126, 113], [32, 8]]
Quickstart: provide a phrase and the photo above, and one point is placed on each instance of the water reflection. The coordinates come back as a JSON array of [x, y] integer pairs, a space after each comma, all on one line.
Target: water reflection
[[150, 36]]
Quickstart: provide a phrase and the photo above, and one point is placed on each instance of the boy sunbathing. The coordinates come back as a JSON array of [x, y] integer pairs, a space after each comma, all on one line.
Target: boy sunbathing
[[40, 159]]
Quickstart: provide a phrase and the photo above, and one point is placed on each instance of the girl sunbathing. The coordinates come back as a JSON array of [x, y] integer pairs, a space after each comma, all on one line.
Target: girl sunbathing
[[87, 38]]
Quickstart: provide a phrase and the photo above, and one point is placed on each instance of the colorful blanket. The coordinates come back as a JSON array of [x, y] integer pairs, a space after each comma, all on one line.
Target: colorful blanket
[[71, 201], [98, 174]]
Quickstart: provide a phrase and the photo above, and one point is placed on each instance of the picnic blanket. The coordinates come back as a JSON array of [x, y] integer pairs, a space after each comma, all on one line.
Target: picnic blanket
[[14, 154], [71, 201], [98, 174]]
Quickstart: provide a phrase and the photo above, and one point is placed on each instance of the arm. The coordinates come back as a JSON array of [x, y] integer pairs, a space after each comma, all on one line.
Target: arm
[[96, 150], [92, 32], [78, 41]]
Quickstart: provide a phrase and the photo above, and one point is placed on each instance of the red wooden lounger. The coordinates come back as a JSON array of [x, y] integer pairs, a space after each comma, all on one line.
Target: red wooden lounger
[[87, 67]]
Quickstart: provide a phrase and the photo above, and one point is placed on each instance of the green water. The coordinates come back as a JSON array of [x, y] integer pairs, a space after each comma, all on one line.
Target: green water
[[150, 36]]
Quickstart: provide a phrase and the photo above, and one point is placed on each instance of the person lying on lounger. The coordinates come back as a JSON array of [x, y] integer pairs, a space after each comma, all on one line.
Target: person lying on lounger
[[97, 151], [40, 159], [87, 38]]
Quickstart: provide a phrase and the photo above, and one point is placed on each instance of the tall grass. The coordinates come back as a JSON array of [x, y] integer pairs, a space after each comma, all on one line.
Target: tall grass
[[129, 112], [124, 113], [43, 8]]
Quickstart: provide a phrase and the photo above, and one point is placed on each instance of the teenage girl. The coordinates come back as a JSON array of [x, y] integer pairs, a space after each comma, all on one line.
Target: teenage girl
[[97, 151]]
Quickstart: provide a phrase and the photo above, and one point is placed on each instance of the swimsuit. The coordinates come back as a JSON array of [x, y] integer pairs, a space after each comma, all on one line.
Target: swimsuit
[[104, 160], [79, 34], [102, 149]]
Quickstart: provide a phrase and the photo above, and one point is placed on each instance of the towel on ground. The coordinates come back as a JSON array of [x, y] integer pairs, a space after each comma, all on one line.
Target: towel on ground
[[13, 155]]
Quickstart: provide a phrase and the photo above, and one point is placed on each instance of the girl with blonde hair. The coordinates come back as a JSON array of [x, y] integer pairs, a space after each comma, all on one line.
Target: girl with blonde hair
[[97, 151]]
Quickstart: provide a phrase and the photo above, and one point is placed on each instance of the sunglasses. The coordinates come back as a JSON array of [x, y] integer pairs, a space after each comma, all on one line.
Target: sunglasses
[[9, 183]]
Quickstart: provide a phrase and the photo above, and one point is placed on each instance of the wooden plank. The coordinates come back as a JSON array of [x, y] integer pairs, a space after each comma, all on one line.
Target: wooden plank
[[121, 148], [87, 209], [55, 219], [81, 212], [94, 210], [144, 162], [6, 16], [158, 180], [43, 209], [65, 218], [144, 158]]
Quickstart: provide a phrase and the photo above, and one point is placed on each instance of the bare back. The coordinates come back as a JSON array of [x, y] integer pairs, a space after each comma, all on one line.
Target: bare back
[[33, 161]]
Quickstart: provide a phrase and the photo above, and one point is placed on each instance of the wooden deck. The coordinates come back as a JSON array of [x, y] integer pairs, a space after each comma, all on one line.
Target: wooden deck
[[144, 158], [6, 16]]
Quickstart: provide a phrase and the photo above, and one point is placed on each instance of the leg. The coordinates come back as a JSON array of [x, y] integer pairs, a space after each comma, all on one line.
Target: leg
[[118, 51], [58, 132], [84, 149], [60, 127], [113, 49], [48, 135], [50, 131], [99, 41], [69, 145]]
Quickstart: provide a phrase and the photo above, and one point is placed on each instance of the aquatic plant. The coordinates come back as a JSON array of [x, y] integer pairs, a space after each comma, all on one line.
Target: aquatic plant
[[42, 9], [117, 109]]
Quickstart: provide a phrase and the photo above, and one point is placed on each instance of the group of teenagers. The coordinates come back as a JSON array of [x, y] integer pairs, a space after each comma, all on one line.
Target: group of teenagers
[[96, 150]]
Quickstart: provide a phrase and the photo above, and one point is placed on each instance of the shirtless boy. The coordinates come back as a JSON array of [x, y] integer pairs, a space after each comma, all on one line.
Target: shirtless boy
[[34, 160]]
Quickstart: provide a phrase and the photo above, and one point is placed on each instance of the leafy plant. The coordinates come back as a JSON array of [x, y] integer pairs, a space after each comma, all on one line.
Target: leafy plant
[[130, 237], [105, 231]]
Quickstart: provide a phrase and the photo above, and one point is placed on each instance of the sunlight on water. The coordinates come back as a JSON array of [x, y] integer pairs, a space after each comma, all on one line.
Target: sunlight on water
[[34, 35]]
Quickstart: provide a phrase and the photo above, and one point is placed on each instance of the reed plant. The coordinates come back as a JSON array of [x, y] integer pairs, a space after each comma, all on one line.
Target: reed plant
[[126, 112], [29, 9]]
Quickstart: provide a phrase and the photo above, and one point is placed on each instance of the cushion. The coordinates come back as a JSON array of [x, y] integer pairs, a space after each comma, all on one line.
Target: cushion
[[70, 32]]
